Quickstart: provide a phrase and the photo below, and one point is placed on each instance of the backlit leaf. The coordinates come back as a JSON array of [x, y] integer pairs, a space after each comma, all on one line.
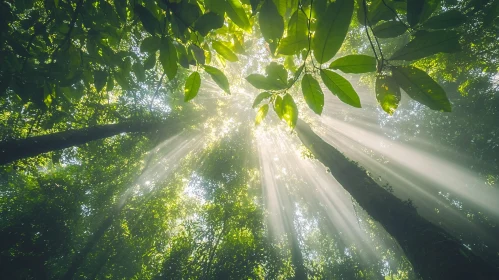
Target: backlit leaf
[[235, 12], [278, 107], [340, 87], [312, 93], [332, 29], [224, 51], [262, 113], [387, 93], [271, 22], [192, 84], [354, 64], [219, 78], [260, 97], [289, 110]]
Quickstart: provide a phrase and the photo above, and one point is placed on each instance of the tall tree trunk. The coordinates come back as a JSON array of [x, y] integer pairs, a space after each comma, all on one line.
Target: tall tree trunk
[[18, 149], [433, 253]]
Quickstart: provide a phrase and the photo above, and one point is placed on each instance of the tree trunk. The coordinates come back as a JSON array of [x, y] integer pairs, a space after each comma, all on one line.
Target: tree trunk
[[433, 253], [18, 149]]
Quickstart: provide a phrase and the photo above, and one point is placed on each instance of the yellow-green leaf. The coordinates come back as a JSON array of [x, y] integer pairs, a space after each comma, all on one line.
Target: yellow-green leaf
[[312, 93], [289, 110], [332, 29], [262, 113], [354, 64], [340, 87], [387, 93], [192, 84], [224, 51]]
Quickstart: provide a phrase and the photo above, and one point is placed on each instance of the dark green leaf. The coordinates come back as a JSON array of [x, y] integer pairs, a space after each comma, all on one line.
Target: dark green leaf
[[262, 113], [289, 110], [355, 64], [198, 53], [332, 29], [216, 6], [192, 84], [168, 57], [150, 61], [208, 22], [139, 71], [100, 78], [387, 93], [340, 87], [428, 43], [312, 93], [224, 51], [235, 12], [259, 98], [149, 21], [414, 11], [150, 44], [219, 78], [271, 22], [445, 20], [379, 10], [389, 29], [421, 87]]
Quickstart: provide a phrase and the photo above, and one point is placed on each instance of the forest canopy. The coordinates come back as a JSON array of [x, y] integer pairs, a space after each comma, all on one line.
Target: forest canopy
[[135, 137]]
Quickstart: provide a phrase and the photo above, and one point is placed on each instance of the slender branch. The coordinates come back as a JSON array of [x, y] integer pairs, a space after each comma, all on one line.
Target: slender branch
[[367, 29]]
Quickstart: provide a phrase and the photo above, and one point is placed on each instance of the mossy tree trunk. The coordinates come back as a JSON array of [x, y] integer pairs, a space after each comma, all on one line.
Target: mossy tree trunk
[[433, 252]]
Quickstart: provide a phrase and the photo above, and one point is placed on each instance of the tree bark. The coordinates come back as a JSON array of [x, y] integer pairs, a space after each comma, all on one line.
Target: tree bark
[[23, 148], [433, 252]]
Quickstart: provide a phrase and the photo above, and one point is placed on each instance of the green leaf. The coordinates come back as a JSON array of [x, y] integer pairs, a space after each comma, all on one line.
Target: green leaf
[[260, 82], [198, 54], [445, 20], [387, 93], [354, 64], [289, 110], [262, 113], [150, 61], [421, 87], [278, 107], [235, 12], [216, 6], [219, 78], [277, 74], [186, 13], [100, 78], [110, 83], [340, 87], [208, 22], [378, 11], [120, 6], [414, 11], [418, 11], [297, 25], [192, 84], [150, 44], [312, 93], [168, 57], [259, 98], [428, 43], [271, 22], [332, 29], [149, 21], [291, 45], [389, 29], [139, 71], [224, 51]]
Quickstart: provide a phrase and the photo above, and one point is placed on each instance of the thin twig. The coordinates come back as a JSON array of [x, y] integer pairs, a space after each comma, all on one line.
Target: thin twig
[[367, 30]]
